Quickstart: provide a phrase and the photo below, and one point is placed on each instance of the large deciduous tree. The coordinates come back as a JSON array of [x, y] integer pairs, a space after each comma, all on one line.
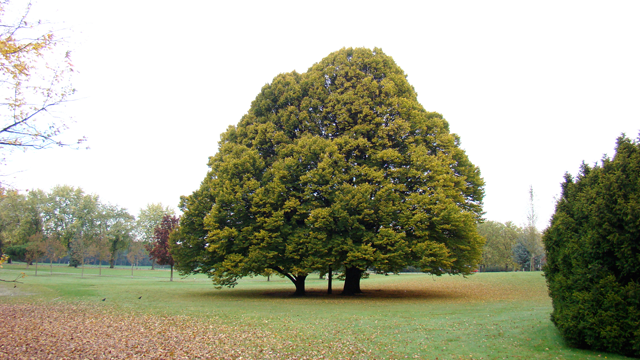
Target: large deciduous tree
[[593, 254], [336, 168], [72, 216], [116, 227], [34, 78], [159, 248]]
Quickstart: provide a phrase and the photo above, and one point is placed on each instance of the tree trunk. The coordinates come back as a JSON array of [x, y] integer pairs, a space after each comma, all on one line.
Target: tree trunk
[[299, 283], [352, 281], [171, 279], [112, 260], [330, 275], [132, 269], [36, 267], [531, 263], [50, 266]]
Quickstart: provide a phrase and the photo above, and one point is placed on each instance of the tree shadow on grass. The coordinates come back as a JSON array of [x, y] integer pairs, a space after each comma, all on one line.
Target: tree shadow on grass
[[321, 294]]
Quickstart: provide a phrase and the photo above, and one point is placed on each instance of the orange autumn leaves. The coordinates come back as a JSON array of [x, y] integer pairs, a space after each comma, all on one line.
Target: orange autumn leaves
[[86, 332]]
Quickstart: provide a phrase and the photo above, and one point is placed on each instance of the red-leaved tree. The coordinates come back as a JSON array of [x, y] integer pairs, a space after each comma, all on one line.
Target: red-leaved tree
[[159, 248]]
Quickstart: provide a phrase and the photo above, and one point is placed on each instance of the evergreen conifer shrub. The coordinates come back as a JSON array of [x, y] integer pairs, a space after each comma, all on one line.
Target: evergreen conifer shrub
[[593, 254]]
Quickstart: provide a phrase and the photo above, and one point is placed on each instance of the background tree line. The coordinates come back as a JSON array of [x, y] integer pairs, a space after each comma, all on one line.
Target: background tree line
[[510, 247], [68, 224]]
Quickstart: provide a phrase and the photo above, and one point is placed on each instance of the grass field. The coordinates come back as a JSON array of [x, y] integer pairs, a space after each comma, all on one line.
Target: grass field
[[484, 316]]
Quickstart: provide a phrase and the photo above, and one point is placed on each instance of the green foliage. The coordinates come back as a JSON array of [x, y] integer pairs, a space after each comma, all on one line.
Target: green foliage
[[16, 252], [114, 227], [593, 254], [530, 251], [68, 216], [148, 219], [521, 256], [339, 167], [500, 242], [20, 216]]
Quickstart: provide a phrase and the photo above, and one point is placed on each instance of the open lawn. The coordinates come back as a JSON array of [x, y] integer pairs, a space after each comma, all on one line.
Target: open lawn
[[484, 316]]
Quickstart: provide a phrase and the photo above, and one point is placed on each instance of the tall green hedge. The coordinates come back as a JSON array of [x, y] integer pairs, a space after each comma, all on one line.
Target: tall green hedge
[[593, 254]]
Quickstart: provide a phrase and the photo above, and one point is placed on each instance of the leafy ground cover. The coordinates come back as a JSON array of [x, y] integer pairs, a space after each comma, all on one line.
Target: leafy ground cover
[[484, 316]]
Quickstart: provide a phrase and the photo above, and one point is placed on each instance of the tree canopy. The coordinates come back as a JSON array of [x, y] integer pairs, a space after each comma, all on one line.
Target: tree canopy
[[593, 254], [337, 168]]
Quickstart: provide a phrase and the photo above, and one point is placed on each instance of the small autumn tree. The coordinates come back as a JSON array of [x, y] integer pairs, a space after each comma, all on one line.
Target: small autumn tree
[[53, 250], [35, 250], [102, 250], [159, 248], [83, 248], [135, 253]]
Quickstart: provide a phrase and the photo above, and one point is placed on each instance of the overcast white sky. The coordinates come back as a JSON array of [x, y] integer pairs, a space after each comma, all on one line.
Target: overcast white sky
[[533, 88]]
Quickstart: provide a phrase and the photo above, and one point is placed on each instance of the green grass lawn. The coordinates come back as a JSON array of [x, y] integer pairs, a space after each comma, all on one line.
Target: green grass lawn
[[484, 316]]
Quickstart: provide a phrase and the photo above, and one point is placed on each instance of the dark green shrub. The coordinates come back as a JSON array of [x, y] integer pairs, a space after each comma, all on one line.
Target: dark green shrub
[[16, 252], [593, 255]]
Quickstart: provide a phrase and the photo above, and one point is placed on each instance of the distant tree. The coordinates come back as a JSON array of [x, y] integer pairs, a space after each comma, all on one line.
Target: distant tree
[[268, 273], [148, 220], [136, 253], [83, 248], [500, 241], [53, 250], [521, 256], [116, 226], [70, 214], [34, 79], [159, 249], [339, 167], [593, 254], [35, 250], [102, 250], [531, 238], [20, 217]]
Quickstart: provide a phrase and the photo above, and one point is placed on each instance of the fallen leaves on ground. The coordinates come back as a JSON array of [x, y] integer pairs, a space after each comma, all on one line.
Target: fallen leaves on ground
[[84, 332]]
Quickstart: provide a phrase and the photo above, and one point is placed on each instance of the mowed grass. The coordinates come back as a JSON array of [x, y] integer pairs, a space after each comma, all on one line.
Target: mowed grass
[[483, 316]]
